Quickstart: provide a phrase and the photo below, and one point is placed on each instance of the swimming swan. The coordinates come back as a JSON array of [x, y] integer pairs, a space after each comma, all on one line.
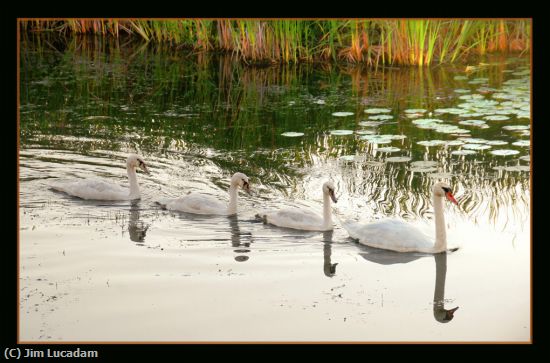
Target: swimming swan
[[396, 235], [104, 190], [302, 219], [206, 204]]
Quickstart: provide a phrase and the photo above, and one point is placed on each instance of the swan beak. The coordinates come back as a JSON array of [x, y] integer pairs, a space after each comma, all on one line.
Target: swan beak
[[332, 196], [144, 168], [450, 313], [451, 198], [246, 187]]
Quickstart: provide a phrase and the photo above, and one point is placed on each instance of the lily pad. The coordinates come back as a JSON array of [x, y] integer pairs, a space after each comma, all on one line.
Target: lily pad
[[460, 78], [497, 118], [462, 90], [365, 132], [341, 132], [389, 149], [292, 134], [526, 143], [455, 143], [496, 142], [376, 139], [319, 102], [377, 110], [424, 164], [381, 117], [463, 152], [471, 140], [426, 121], [398, 159], [518, 168], [515, 127], [431, 143], [342, 114], [473, 123], [370, 123], [526, 157], [416, 110], [476, 146], [504, 152]]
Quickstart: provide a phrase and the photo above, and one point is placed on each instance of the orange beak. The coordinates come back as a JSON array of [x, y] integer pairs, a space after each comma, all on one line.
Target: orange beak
[[451, 198]]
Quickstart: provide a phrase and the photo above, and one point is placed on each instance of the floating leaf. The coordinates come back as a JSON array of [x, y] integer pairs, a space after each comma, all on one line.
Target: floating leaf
[[473, 122], [471, 140], [376, 139], [341, 132], [377, 110], [370, 123], [416, 110], [342, 114], [292, 134], [476, 146], [462, 90], [497, 118], [526, 143], [381, 117], [389, 149], [455, 143], [431, 143], [460, 78], [398, 159], [504, 152], [496, 142], [365, 132], [515, 127], [424, 164], [517, 168], [526, 157], [463, 152]]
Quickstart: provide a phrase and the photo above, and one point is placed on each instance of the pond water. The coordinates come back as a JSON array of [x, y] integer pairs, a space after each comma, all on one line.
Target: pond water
[[131, 271]]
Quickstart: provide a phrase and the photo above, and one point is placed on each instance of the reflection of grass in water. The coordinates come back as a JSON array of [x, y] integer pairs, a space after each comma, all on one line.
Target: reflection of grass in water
[[199, 102]]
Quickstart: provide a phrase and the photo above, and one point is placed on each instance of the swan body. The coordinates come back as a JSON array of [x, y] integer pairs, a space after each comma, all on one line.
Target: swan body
[[98, 189], [302, 219], [197, 203], [397, 235]]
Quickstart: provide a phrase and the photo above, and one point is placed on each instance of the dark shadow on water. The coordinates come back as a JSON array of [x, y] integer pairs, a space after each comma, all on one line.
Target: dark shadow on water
[[137, 229], [239, 241], [385, 257], [329, 268]]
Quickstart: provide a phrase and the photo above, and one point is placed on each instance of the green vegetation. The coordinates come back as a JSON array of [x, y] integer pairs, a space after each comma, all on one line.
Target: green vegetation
[[262, 42]]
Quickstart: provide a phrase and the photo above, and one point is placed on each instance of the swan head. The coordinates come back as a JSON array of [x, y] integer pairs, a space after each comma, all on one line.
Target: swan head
[[442, 189], [240, 180], [136, 161], [328, 188]]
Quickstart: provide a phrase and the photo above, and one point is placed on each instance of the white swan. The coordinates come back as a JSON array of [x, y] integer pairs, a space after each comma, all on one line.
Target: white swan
[[302, 219], [104, 190], [206, 204], [397, 235]]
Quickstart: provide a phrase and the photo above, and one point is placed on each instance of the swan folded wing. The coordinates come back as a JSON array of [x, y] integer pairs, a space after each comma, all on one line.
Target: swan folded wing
[[96, 189], [296, 219], [392, 234], [196, 203]]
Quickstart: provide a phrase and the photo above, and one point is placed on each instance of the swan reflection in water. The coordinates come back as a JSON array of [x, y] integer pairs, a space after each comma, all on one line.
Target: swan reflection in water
[[328, 268], [136, 228], [240, 241], [385, 257]]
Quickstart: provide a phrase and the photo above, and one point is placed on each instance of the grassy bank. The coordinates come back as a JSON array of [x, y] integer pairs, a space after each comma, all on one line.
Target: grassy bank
[[369, 41]]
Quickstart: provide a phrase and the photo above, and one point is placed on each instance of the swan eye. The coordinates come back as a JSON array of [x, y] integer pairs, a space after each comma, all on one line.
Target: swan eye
[[446, 190]]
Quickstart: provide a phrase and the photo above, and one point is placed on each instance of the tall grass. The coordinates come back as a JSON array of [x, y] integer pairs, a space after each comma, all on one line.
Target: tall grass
[[387, 41]]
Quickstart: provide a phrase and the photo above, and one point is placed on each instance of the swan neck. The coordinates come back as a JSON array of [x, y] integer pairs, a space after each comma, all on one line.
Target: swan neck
[[440, 274], [327, 212], [132, 179], [440, 233], [232, 207]]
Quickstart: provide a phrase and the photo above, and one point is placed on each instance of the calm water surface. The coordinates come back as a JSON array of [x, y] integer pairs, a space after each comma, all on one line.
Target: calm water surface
[[130, 271]]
